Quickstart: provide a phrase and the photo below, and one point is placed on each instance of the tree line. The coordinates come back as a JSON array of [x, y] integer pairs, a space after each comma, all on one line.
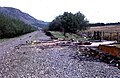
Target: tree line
[[11, 27], [103, 24], [69, 22]]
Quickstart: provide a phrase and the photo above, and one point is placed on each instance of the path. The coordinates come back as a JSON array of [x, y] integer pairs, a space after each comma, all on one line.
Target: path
[[31, 61], [11, 43]]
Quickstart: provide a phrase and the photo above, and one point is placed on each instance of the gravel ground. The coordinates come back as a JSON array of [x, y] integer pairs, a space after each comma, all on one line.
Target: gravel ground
[[9, 44], [32, 61]]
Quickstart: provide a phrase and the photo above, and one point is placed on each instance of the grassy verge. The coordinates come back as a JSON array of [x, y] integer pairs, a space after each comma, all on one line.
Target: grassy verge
[[2, 40], [68, 36], [117, 45]]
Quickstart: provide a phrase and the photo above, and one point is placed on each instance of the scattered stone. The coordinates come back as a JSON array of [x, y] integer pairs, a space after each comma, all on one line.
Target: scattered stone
[[31, 61]]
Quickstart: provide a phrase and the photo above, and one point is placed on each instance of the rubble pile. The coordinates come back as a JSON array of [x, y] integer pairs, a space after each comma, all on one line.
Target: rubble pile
[[40, 57], [82, 50], [31, 61], [95, 53]]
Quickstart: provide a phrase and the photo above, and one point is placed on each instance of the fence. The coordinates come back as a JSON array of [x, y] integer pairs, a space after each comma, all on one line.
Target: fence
[[98, 35]]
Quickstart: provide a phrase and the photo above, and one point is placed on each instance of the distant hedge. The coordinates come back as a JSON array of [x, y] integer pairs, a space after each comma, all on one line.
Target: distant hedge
[[11, 27]]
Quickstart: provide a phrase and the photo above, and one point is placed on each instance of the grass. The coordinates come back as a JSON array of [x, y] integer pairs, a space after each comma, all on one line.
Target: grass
[[2, 40], [117, 45], [57, 34], [68, 36]]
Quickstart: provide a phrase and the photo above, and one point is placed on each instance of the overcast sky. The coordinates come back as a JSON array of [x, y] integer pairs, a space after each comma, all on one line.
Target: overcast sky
[[47, 10]]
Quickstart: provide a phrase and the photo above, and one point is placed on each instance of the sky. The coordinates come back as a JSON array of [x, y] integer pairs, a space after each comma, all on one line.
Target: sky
[[95, 10]]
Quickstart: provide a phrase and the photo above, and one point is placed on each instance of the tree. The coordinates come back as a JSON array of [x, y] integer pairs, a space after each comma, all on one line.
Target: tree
[[81, 21], [69, 22], [55, 25], [11, 27]]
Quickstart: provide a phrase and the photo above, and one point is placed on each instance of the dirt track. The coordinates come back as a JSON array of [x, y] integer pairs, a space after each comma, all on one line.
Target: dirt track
[[11, 43], [31, 61]]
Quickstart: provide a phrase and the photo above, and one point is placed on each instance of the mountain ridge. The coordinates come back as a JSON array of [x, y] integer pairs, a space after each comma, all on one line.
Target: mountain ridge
[[25, 17]]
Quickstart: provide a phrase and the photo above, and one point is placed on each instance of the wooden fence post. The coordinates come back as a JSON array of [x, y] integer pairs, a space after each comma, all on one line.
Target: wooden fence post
[[110, 35], [94, 35], [103, 35], [117, 36]]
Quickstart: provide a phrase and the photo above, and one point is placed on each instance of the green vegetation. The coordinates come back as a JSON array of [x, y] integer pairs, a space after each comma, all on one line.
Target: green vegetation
[[2, 40], [57, 34], [68, 36], [11, 27], [69, 23], [117, 45]]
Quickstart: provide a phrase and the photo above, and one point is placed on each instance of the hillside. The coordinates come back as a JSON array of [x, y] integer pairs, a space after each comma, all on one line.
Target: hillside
[[16, 13], [11, 27]]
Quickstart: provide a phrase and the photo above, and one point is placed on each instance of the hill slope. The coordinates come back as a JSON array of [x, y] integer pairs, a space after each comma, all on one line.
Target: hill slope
[[16, 13], [11, 27]]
